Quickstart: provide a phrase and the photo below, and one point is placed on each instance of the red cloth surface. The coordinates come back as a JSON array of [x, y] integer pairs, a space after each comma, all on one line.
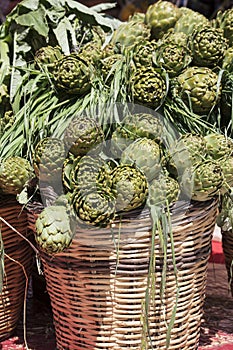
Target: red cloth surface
[[217, 255]]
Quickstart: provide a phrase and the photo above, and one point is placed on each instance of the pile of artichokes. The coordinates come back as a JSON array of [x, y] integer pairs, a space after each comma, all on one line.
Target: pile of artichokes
[[58, 126]]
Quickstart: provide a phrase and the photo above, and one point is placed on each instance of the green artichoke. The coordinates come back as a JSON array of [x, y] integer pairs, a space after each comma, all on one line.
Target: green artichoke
[[189, 20], [95, 208], [6, 121], [148, 87], [48, 158], [163, 191], [88, 174], [224, 20], [108, 66], [83, 135], [55, 228], [218, 145], [135, 126], [72, 75], [46, 56], [160, 17], [130, 33], [146, 155], [143, 53], [208, 46], [202, 181], [172, 57], [186, 151], [226, 164], [227, 62], [130, 187], [198, 88], [15, 172]]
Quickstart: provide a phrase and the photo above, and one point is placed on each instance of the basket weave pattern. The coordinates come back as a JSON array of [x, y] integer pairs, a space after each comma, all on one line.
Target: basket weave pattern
[[227, 245], [98, 285], [18, 260]]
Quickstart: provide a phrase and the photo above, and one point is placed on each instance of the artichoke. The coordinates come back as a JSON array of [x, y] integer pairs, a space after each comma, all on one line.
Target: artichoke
[[143, 53], [226, 164], [135, 126], [92, 52], [198, 88], [224, 20], [130, 187], [160, 17], [218, 145], [227, 62], [148, 87], [72, 75], [163, 191], [109, 65], [172, 57], [96, 208], [15, 172], [46, 56], [6, 121], [48, 158], [55, 228], [88, 174], [202, 181], [146, 155], [189, 20], [83, 135], [130, 33], [186, 151], [208, 46]]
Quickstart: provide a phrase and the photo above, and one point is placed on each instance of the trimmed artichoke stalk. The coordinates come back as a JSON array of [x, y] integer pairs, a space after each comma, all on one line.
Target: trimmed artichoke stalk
[[189, 20], [47, 56], [198, 88], [187, 151], [160, 17], [148, 87], [83, 135], [208, 46], [224, 20], [130, 33], [48, 159], [146, 155], [130, 187], [203, 181], [163, 191], [72, 75], [15, 172], [95, 208], [135, 126], [218, 145], [55, 228]]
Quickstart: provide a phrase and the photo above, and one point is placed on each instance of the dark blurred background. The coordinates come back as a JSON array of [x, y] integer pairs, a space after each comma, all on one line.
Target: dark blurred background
[[125, 8]]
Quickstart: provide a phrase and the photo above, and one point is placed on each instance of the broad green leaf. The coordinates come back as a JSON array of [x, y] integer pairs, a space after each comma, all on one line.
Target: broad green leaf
[[61, 34], [35, 19], [30, 4], [103, 6]]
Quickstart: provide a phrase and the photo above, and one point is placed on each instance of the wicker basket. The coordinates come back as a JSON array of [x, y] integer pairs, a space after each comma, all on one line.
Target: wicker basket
[[18, 259], [227, 245], [98, 286]]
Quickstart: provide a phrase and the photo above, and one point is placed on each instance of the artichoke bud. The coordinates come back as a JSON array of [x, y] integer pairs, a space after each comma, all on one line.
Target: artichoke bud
[[47, 56], [203, 181], [163, 191], [72, 75], [130, 187], [15, 172], [48, 158], [148, 86], [55, 227]]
